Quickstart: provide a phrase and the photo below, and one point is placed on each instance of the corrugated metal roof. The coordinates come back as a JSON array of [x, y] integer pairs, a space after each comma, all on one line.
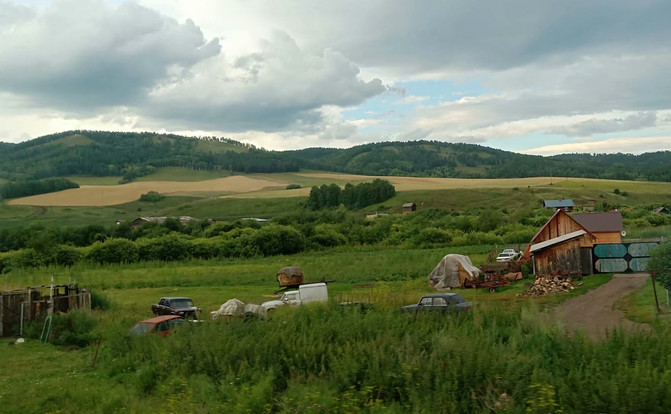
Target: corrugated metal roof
[[600, 222], [557, 240], [567, 202]]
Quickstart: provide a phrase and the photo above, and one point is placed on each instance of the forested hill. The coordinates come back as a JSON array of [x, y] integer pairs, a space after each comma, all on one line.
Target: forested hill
[[101, 153]]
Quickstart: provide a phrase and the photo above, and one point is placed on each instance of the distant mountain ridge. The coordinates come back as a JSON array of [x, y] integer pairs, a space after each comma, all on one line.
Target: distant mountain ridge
[[130, 154]]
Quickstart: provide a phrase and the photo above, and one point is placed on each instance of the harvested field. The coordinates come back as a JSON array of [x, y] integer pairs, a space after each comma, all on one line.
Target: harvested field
[[104, 195], [432, 183]]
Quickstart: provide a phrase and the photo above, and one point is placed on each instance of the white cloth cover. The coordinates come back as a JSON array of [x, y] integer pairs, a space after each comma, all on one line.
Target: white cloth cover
[[446, 274], [233, 307]]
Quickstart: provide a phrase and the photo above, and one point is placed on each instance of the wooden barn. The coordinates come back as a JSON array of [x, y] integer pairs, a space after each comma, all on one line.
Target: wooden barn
[[562, 245], [606, 227]]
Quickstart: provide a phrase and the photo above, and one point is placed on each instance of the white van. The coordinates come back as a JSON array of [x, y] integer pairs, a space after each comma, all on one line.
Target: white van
[[312, 292]]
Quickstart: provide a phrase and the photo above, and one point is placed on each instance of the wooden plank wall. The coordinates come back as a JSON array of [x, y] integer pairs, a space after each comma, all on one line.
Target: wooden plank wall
[[562, 257]]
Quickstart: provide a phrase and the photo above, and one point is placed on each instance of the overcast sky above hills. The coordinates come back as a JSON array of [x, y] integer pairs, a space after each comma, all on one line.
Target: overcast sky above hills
[[532, 76]]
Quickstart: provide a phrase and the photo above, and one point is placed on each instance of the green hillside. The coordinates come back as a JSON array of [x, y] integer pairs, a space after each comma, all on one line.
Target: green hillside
[[133, 155]]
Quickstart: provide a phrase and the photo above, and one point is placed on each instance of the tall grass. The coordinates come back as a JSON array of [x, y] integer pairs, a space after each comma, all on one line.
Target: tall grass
[[331, 359]]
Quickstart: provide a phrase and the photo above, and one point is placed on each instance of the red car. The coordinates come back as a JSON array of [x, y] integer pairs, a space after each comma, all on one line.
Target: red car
[[161, 325]]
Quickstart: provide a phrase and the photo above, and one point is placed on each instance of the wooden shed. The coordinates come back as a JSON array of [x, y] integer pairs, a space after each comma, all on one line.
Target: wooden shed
[[563, 254], [409, 208], [32, 303]]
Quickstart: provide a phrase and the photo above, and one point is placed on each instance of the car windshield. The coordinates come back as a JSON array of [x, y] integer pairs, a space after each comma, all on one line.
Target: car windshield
[[504, 255], [141, 328], [181, 303]]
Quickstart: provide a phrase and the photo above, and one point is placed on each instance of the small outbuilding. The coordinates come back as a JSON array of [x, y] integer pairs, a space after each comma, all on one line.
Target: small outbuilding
[[409, 208], [561, 204]]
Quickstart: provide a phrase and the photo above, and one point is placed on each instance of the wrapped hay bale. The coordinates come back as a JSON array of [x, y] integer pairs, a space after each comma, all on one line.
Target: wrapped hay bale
[[290, 276]]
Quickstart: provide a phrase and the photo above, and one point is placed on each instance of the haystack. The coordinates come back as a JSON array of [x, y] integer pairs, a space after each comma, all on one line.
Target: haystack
[[290, 276]]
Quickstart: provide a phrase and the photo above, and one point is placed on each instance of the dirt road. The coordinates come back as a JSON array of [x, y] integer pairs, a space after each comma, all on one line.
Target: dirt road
[[594, 311]]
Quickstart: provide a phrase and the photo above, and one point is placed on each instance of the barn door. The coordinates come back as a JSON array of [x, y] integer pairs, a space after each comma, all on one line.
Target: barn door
[[586, 265]]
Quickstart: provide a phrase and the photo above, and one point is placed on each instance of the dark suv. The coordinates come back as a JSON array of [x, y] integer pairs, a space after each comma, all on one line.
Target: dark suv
[[179, 306]]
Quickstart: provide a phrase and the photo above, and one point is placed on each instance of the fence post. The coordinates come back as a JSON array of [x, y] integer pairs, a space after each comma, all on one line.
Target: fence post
[[654, 288]]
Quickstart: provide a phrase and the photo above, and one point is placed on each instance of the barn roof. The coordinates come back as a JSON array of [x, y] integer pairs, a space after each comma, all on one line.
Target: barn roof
[[557, 213], [557, 240], [600, 222], [405, 205], [567, 202]]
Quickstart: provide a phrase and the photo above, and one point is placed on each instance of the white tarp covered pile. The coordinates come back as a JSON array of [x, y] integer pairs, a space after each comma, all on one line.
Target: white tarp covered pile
[[237, 308], [233, 307], [452, 270]]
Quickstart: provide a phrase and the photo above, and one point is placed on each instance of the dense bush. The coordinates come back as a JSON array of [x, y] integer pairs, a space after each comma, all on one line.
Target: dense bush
[[274, 239], [152, 197], [660, 260], [114, 251], [170, 247], [72, 329]]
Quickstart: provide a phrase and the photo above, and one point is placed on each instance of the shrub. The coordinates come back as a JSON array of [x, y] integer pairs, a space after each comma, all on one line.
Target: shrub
[[114, 251], [72, 329], [660, 260], [152, 197], [293, 186], [100, 301], [66, 255], [274, 239], [169, 247], [430, 236]]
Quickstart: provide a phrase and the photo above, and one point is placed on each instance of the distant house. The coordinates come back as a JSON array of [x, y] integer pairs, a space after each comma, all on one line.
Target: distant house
[[409, 208], [606, 227], [160, 220], [141, 220], [561, 204]]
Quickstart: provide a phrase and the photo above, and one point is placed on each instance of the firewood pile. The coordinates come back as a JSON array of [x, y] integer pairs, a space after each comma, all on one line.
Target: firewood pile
[[546, 284]]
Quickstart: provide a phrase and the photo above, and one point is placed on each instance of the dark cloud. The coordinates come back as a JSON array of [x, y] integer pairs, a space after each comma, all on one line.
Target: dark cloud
[[430, 35], [83, 54], [603, 126]]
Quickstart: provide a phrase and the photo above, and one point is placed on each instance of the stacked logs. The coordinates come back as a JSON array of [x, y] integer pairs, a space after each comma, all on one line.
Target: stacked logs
[[546, 284]]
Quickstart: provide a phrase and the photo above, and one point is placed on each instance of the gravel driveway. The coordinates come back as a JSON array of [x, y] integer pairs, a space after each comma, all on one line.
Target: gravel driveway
[[594, 311]]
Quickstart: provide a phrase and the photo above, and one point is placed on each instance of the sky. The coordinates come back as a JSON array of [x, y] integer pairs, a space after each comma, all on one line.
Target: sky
[[530, 76]]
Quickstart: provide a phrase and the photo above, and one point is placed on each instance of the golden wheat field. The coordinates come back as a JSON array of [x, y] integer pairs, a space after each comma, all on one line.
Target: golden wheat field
[[107, 195], [273, 186]]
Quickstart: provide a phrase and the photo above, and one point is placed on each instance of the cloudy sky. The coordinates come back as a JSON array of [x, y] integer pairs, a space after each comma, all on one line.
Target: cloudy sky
[[532, 76]]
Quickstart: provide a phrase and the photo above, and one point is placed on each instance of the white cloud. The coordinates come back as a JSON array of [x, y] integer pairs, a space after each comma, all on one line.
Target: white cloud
[[636, 145]]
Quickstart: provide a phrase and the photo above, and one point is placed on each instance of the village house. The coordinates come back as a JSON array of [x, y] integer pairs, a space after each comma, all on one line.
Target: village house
[[561, 204]]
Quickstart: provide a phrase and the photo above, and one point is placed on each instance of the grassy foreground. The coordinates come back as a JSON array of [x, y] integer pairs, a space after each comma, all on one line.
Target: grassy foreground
[[506, 356]]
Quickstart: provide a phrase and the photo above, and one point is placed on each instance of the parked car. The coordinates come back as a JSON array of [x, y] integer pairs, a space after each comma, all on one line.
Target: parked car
[[180, 306], [161, 325], [311, 292], [439, 302], [508, 255]]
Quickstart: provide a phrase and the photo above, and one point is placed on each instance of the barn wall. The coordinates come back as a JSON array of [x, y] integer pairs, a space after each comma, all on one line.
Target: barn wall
[[562, 257], [608, 238], [560, 225]]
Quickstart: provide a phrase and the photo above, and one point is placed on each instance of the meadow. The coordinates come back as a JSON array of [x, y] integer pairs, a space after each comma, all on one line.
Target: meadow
[[508, 355]]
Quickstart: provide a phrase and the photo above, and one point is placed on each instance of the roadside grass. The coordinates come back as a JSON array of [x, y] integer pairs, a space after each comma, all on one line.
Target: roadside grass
[[640, 306]]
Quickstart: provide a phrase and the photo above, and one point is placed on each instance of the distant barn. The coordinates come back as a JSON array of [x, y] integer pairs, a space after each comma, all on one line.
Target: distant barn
[[561, 204], [409, 208]]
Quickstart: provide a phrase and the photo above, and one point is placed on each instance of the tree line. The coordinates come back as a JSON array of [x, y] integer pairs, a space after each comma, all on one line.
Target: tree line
[[352, 196]]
